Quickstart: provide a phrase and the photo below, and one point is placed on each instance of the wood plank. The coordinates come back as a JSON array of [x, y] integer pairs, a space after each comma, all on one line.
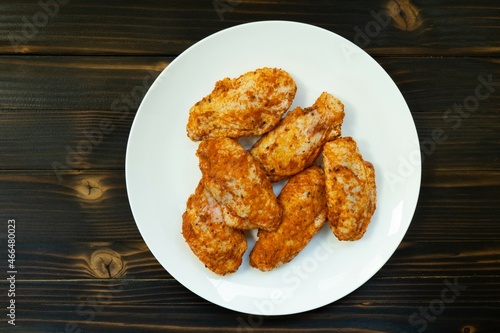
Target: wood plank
[[76, 83], [64, 140], [456, 214], [443, 258], [469, 177], [149, 306], [97, 140], [99, 83], [93, 206], [84, 95], [159, 28], [84, 206], [75, 260], [154, 28], [435, 84], [86, 222]]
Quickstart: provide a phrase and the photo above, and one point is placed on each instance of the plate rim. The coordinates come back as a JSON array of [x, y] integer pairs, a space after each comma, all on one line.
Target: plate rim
[[171, 65]]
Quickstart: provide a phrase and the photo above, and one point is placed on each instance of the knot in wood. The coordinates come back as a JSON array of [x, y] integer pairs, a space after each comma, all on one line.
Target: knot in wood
[[405, 15], [468, 329], [106, 264], [89, 189]]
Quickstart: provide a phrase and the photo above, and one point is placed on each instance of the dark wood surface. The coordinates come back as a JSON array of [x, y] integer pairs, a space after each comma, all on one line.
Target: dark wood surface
[[82, 264]]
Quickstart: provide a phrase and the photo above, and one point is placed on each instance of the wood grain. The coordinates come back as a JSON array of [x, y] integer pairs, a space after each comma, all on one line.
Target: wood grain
[[165, 306], [454, 225], [81, 207], [74, 74], [168, 28], [92, 100], [58, 260], [76, 83], [94, 206]]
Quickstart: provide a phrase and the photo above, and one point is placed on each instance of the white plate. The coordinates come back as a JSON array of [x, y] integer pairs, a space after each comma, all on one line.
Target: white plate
[[162, 169]]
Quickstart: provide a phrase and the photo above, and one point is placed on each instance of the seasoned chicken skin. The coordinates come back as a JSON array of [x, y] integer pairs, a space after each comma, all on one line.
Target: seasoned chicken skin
[[251, 104], [303, 199], [239, 183], [350, 188], [299, 138], [218, 246], [234, 221]]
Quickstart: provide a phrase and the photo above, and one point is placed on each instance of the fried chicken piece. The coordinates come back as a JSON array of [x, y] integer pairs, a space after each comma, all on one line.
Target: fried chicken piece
[[350, 189], [303, 199], [234, 221], [251, 104], [218, 246], [239, 183], [298, 139]]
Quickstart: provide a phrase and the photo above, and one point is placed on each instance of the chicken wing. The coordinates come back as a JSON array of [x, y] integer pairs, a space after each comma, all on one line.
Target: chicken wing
[[251, 104], [239, 183], [350, 188], [235, 221], [218, 246], [303, 199], [298, 139]]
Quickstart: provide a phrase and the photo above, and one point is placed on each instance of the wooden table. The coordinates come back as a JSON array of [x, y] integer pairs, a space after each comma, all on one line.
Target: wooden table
[[71, 69]]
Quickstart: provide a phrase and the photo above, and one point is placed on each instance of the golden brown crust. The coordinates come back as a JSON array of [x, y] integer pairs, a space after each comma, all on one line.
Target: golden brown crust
[[298, 139], [236, 193], [350, 187], [303, 200], [234, 221], [218, 246], [251, 104], [238, 182]]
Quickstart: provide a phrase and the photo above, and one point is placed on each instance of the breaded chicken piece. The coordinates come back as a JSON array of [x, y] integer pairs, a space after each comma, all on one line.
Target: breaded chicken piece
[[218, 246], [234, 221], [239, 183], [298, 139], [350, 189], [251, 104], [303, 199]]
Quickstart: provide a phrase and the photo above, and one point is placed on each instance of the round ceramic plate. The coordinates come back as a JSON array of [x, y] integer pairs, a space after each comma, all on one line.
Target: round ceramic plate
[[162, 169]]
